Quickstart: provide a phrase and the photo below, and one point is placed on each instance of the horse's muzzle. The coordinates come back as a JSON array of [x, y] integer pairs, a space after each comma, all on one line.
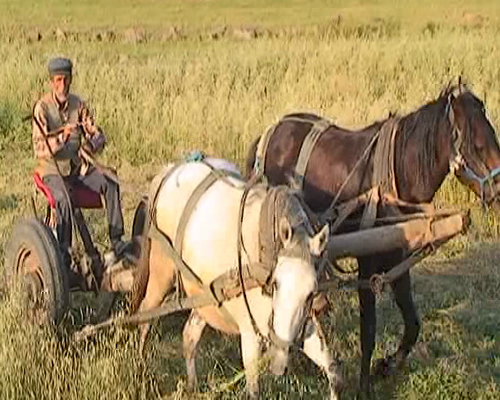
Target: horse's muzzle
[[278, 360]]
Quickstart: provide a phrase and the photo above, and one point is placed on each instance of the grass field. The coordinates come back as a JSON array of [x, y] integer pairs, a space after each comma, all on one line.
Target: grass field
[[167, 77]]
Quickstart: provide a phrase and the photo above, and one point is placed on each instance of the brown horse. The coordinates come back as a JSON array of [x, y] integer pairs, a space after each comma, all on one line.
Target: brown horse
[[449, 134]]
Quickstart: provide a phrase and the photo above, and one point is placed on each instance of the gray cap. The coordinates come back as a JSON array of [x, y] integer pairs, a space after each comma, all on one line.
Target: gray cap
[[60, 66]]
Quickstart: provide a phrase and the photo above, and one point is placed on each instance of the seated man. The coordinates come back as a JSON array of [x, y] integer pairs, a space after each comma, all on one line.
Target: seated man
[[59, 155]]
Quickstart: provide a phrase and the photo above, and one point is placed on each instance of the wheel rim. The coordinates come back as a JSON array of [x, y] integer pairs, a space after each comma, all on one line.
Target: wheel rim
[[29, 269]]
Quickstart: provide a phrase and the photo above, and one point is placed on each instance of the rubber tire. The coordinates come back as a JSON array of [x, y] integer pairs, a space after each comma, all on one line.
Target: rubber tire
[[37, 236]]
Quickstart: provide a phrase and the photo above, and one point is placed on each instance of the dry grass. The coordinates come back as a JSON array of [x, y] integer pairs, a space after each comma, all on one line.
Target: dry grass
[[160, 93]]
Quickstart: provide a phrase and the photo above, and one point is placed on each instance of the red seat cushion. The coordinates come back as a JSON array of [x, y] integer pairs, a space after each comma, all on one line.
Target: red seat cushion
[[81, 196], [44, 189]]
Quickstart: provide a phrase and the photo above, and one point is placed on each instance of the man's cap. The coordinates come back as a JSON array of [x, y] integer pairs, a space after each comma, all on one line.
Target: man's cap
[[60, 66]]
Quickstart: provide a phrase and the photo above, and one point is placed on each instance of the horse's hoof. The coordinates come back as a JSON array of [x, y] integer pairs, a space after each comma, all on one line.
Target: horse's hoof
[[385, 366]]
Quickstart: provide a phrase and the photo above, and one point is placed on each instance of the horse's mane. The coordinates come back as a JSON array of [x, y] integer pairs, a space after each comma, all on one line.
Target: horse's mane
[[423, 124], [314, 117]]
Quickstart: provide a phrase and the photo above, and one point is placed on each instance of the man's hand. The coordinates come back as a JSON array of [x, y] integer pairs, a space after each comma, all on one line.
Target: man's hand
[[88, 122], [91, 129], [68, 130]]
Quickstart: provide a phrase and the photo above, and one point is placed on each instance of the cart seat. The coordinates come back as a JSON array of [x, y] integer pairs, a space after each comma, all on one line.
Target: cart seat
[[81, 197]]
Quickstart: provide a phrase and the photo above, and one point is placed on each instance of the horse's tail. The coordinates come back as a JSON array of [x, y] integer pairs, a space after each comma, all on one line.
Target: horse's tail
[[142, 277], [250, 160]]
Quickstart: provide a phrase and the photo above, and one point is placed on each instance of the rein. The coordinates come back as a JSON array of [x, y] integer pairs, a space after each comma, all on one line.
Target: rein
[[356, 166], [59, 173], [272, 337], [85, 156], [240, 246]]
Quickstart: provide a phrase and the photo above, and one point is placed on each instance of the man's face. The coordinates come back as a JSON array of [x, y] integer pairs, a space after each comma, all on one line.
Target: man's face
[[60, 85]]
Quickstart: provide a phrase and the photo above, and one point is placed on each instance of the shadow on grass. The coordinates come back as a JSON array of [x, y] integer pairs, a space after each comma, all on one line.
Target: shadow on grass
[[474, 281], [458, 299]]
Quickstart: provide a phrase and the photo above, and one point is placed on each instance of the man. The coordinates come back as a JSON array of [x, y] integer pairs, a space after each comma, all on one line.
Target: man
[[59, 155]]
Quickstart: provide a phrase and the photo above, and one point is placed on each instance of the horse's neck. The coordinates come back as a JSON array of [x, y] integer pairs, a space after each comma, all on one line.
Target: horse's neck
[[416, 181]]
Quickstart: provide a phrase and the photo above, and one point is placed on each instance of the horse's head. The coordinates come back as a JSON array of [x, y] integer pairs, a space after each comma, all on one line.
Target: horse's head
[[294, 282], [475, 157]]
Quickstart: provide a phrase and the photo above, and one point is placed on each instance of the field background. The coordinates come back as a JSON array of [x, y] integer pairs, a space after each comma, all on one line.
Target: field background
[[168, 77]]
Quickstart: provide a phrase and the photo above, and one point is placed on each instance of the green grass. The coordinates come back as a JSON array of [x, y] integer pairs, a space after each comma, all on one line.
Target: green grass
[[159, 95]]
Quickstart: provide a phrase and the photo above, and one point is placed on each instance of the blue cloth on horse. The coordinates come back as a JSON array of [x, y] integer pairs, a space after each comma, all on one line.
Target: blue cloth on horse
[[195, 156]]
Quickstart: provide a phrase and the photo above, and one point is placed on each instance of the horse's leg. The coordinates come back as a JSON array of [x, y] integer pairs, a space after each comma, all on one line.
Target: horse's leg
[[251, 352], [160, 282], [105, 302], [191, 336], [315, 347], [368, 325], [406, 304]]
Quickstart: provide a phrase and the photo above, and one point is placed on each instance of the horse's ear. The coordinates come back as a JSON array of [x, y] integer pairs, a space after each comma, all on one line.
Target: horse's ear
[[451, 97], [317, 244], [285, 231], [450, 85], [447, 89], [462, 87]]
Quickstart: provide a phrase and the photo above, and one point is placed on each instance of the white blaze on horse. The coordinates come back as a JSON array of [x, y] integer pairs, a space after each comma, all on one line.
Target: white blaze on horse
[[209, 247]]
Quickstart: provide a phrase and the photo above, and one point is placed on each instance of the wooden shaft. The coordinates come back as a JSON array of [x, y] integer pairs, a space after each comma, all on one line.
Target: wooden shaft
[[406, 217], [410, 235]]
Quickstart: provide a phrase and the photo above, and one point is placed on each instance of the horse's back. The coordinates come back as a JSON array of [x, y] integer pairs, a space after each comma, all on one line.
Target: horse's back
[[209, 245], [180, 184], [209, 241], [332, 157]]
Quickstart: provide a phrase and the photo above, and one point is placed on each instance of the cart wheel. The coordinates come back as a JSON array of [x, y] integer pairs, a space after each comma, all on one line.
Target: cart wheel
[[33, 255]]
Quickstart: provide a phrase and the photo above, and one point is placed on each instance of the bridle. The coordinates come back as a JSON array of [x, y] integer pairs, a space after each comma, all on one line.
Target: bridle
[[277, 251], [272, 336], [457, 160]]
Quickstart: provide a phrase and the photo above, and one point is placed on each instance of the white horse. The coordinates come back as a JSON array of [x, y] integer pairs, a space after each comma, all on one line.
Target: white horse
[[209, 247]]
